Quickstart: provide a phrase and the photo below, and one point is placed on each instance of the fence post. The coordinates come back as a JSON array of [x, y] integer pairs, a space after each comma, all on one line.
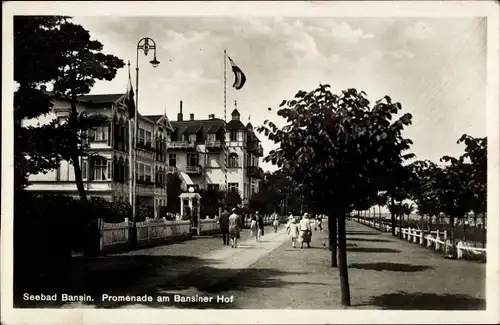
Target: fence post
[[149, 225], [101, 234], [445, 237]]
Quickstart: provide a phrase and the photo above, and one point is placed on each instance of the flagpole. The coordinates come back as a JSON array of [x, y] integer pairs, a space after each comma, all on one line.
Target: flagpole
[[130, 149], [225, 121]]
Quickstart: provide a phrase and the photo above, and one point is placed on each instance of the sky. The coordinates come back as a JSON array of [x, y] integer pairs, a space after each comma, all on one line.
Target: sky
[[435, 67]]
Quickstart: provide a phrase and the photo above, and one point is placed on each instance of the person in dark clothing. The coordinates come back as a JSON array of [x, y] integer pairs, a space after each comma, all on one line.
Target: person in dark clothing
[[260, 225], [224, 226]]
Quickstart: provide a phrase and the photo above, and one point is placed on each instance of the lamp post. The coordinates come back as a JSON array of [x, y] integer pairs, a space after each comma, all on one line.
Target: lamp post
[[145, 44]]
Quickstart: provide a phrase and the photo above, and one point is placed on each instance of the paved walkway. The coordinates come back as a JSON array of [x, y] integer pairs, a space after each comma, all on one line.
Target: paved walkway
[[384, 273]]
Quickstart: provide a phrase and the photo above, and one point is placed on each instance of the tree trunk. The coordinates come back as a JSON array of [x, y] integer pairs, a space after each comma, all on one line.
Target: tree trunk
[[400, 213], [380, 218], [483, 229], [465, 228], [75, 158], [332, 234], [344, 278], [393, 220], [452, 236]]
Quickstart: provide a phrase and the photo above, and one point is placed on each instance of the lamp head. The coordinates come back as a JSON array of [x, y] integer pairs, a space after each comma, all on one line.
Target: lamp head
[[154, 62]]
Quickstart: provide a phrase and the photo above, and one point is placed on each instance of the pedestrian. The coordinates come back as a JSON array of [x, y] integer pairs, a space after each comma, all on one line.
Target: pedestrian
[[253, 227], [260, 225], [234, 228], [224, 226], [292, 228], [319, 222], [276, 221], [305, 231]]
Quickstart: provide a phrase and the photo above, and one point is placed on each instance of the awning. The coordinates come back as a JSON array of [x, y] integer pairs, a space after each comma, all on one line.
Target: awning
[[186, 180]]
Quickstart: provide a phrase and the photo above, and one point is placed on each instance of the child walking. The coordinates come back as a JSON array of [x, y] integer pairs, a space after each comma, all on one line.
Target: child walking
[[293, 229]]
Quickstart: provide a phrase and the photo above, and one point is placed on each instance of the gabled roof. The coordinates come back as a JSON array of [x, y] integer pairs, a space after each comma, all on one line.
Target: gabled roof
[[100, 99], [235, 125], [214, 128], [206, 125], [159, 119], [192, 129]]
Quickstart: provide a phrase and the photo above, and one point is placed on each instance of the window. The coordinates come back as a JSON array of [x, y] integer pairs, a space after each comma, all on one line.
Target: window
[[249, 161], [233, 160], [233, 187], [172, 160], [148, 138], [100, 133], [84, 169], [110, 169], [233, 136], [211, 137], [141, 136], [99, 167], [213, 187], [192, 159], [192, 138], [140, 172], [147, 173]]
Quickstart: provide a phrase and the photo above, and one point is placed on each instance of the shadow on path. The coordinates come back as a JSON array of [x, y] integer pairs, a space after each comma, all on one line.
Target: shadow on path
[[113, 275], [373, 250], [362, 233], [396, 267], [427, 301], [371, 240]]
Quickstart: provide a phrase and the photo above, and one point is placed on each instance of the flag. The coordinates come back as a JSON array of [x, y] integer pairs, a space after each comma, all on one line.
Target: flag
[[130, 96], [239, 76]]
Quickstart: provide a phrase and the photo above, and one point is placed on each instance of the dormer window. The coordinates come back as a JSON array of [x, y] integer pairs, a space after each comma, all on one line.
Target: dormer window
[[211, 136]]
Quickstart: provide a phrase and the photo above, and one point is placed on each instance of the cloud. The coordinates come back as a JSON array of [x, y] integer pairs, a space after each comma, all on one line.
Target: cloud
[[417, 32], [401, 54]]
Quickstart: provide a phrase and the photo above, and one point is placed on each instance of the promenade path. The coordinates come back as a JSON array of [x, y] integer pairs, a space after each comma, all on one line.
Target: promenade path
[[384, 273]]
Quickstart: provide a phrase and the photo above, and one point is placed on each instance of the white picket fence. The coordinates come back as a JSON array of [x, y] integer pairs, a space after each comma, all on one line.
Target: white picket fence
[[151, 230], [436, 240]]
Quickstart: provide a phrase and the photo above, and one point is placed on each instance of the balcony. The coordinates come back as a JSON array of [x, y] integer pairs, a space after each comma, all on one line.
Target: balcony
[[255, 148], [171, 170], [193, 169], [213, 144], [146, 146], [145, 182], [255, 172], [181, 145]]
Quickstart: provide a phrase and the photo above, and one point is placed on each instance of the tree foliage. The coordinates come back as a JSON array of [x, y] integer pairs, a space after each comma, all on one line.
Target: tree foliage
[[338, 151]]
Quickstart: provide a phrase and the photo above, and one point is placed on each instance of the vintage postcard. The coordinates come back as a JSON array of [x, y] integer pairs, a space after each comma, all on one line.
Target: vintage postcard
[[250, 162]]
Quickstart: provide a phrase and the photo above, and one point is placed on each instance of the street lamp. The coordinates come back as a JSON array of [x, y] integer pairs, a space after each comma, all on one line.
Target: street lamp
[[145, 44]]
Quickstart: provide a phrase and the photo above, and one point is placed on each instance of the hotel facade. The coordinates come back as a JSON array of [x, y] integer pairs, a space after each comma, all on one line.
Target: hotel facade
[[194, 149]]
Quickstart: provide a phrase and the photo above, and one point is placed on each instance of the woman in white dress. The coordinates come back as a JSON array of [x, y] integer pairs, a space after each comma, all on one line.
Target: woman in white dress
[[305, 231], [292, 228]]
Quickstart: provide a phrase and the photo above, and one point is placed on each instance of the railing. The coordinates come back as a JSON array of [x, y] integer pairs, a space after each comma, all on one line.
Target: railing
[[146, 146], [213, 144], [254, 171], [157, 230], [181, 144], [193, 169], [171, 169], [435, 239]]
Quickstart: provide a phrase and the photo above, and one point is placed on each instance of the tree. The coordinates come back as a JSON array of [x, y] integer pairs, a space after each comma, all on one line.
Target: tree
[[80, 63], [338, 150], [211, 201], [380, 200], [476, 153], [174, 189], [454, 192], [36, 149], [232, 199], [424, 188]]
